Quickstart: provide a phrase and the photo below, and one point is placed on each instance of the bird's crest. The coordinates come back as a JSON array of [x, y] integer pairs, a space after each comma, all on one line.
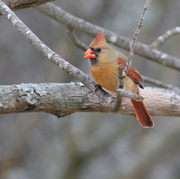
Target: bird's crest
[[98, 41]]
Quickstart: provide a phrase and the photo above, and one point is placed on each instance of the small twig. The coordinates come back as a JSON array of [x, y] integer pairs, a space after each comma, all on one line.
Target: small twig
[[117, 103], [75, 40], [121, 92], [119, 99], [130, 95], [161, 39], [121, 76], [135, 36]]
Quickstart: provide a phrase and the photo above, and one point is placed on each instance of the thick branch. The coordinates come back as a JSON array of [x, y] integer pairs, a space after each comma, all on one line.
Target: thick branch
[[20, 4], [64, 99], [79, 24]]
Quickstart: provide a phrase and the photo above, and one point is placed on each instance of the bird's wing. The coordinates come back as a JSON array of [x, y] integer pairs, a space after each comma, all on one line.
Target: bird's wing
[[132, 73]]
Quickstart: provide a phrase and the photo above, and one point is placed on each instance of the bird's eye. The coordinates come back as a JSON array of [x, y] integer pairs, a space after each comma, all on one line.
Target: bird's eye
[[98, 49]]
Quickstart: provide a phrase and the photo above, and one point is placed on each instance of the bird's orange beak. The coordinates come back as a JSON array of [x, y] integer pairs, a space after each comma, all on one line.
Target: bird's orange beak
[[89, 54]]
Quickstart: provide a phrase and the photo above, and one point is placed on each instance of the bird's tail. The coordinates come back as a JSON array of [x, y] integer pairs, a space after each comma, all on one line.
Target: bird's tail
[[142, 114]]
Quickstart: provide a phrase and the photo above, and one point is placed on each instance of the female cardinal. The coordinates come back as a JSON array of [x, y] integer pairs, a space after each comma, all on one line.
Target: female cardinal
[[104, 62]]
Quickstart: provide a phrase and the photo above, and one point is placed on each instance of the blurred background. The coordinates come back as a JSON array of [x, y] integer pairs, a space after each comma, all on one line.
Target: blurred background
[[87, 145]]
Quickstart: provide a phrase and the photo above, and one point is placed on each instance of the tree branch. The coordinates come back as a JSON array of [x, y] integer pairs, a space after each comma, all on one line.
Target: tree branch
[[119, 99], [161, 39], [160, 84], [79, 24], [65, 99], [75, 40], [136, 33], [21, 4], [117, 103]]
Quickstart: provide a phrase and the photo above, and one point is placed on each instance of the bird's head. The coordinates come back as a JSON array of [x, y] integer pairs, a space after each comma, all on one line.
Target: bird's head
[[97, 49]]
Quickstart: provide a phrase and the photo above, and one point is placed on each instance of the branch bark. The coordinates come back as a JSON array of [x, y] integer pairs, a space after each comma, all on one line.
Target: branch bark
[[21, 4], [65, 99]]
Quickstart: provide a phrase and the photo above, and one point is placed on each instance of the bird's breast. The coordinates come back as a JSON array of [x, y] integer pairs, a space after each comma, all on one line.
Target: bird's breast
[[105, 75]]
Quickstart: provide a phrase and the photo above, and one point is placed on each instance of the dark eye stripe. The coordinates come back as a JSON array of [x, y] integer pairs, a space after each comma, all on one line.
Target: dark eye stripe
[[97, 50]]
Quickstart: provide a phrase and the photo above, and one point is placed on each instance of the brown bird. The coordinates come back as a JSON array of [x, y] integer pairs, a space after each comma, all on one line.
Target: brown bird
[[104, 62]]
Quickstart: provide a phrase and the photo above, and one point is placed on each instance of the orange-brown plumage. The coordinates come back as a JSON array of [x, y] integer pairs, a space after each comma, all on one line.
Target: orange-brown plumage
[[104, 69]]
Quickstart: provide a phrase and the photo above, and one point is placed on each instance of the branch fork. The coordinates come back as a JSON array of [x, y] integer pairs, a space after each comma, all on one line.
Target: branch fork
[[118, 103]]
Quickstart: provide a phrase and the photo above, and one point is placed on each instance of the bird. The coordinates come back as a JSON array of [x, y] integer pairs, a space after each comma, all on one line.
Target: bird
[[104, 62]]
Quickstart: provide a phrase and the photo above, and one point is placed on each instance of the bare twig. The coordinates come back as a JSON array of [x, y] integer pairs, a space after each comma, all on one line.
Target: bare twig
[[118, 102], [129, 95], [136, 33], [121, 76], [60, 15], [75, 40], [161, 39]]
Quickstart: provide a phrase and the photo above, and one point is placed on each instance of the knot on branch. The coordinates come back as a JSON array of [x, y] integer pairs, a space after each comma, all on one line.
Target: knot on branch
[[27, 99]]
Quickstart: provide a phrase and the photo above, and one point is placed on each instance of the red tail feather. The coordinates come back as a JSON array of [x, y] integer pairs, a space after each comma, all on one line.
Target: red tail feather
[[142, 114]]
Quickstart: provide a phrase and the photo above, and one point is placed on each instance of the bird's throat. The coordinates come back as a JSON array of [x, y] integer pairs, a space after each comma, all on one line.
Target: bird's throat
[[93, 61]]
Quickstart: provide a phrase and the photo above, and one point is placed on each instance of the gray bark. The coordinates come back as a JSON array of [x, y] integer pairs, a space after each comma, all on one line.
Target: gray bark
[[65, 99]]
